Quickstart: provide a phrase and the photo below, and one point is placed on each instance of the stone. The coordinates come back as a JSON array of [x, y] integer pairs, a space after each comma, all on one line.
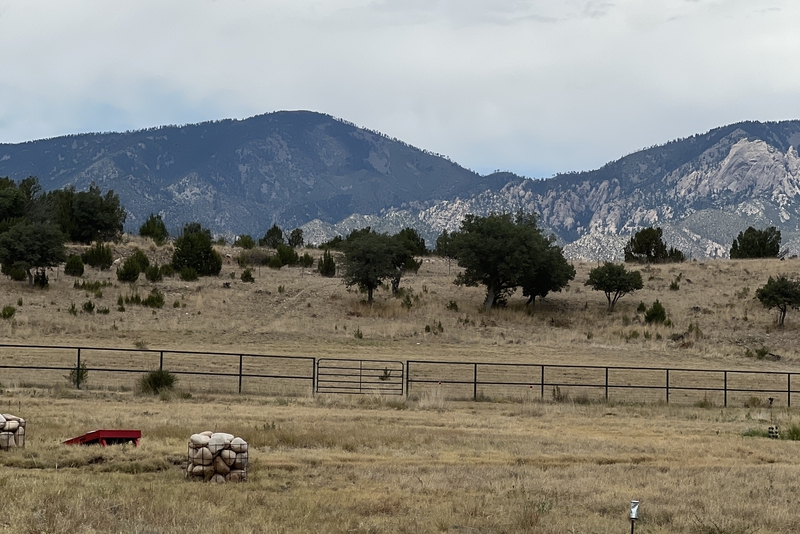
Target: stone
[[7, 440], [199, 470], [20, 437], [2, 422], [241, 461], [236, 475], [198, 440], [11, 426], [9, 417], [206, 433], [203, 456], [216, 443], [238, 445], [220, 466], [218, 479], [228, 456], [227, 438]]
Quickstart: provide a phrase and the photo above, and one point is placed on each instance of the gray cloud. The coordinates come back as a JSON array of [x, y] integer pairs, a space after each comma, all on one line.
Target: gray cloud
[[531, 86]]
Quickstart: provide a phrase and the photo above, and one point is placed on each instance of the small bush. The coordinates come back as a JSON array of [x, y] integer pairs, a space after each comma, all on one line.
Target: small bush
[[141, 260], [167, 270], [103, 311], [8, 312], [153, 274], [244, 241], [656, 314], [88, 306], [188, 274], [247, 276], [674, 285], [243, 259], [17, 272], [78, 376], [274, 262], [129, 272], [641, 308], [176, 304], [72, 309], [19, 301], [452, 306], [791, 433], [154, 300], [326, 265], [154, 382], [98, 256], [358, 334], [74, 266], [287, 255], [306, 260]]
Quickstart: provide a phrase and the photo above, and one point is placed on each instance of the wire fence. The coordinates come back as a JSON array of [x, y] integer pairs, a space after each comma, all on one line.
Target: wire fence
[[259, 374]]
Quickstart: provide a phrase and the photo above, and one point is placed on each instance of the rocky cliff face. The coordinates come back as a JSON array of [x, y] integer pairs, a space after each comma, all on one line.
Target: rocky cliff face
[[702, 191]]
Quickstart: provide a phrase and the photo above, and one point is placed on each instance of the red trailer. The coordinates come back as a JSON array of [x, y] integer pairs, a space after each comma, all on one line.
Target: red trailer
[[107, 437]]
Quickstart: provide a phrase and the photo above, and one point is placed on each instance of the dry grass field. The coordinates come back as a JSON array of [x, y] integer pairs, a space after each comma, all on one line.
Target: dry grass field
[[429, 463]]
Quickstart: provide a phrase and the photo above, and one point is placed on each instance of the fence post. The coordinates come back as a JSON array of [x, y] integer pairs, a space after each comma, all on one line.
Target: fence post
[[313, 376], [78, 371], [241, 357], [788, 390], [475, 382], [725, 388], [606, 384], [542, 382], [667, 388], [161, 361], [408, 372]]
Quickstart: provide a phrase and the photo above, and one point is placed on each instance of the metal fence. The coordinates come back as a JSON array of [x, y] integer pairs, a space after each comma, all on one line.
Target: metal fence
[[41, 365]]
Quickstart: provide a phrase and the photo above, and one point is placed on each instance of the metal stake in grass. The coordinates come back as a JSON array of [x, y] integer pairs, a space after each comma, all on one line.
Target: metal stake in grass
[[634, 514]]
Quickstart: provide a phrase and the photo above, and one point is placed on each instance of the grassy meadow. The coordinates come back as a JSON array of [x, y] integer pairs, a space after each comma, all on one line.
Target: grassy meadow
[[428, 463]]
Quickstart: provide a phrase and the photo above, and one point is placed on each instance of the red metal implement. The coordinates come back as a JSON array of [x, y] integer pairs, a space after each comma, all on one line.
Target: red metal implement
[[107, 437]]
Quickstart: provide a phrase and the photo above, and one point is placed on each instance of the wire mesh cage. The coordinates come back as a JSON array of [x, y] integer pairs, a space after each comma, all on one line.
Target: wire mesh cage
[[12, 432], [217, 457]]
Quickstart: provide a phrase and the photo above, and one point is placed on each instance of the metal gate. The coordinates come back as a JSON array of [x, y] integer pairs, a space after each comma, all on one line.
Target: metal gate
[[360, 376]]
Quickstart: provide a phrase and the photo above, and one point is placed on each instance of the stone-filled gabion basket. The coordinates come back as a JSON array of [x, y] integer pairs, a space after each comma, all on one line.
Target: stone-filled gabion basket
[[218, 457], [12, 431]]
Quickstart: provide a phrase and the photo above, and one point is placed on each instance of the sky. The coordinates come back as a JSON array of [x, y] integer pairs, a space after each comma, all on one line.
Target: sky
[[534, 87]]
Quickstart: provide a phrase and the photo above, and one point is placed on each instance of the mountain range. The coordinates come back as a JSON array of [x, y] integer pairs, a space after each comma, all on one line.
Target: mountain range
[[327, 176]]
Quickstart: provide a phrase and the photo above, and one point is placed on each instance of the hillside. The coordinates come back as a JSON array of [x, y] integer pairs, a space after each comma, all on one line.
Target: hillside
[[242, 176], [309, 170]]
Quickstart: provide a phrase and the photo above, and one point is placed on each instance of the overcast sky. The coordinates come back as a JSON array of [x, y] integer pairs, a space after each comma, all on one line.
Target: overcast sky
[[532, 86]]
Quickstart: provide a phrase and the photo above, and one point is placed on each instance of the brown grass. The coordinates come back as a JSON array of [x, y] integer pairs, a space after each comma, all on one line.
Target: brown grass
[[424, 464]]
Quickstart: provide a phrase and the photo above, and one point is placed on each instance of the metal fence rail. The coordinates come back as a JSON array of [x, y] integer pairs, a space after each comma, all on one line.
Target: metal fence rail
[[476, 380], [218, 371], [272, 374]]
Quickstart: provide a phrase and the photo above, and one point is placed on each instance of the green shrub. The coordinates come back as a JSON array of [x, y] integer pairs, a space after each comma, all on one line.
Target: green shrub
[[167, 270], [755, 433], [287, 255], [655, 314], [244, 241], [88, 306], [176, 304], [154, 228], [641, 308], [326, 265], [74, 266], [17, 272], [72, 309], [247, 276], [157, 381], [98, 256], [78, 376], [674, 286], [141, 260], [188, 274], [274, 262], [8, 312], [154, 300], [243, 259], [153, 273], [129, 272], [306, 260], [452, 306], [791, 433], [103, 311]]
